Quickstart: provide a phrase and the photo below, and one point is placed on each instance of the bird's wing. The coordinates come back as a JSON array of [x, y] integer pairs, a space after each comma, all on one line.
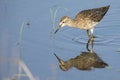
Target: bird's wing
[[95, 14]]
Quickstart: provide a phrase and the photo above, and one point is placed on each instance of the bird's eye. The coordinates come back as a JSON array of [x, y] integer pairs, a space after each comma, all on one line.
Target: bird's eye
[[63, 21]]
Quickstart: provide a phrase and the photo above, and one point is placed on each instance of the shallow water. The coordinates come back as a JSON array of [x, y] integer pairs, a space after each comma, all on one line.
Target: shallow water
[[38, 44]]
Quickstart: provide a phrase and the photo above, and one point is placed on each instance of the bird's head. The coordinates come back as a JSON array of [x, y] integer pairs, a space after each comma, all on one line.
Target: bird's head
[[65, 21], [62, 64]]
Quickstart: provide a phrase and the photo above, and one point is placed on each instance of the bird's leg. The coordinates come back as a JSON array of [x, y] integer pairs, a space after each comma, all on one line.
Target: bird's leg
[[88, 33], [87, 44], [92, 40]]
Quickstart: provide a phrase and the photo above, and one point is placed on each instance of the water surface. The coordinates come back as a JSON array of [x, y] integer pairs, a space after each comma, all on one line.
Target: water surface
[[38, 44]]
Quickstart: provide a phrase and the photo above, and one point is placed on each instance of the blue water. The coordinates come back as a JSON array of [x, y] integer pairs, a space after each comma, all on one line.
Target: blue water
[[38, 43]]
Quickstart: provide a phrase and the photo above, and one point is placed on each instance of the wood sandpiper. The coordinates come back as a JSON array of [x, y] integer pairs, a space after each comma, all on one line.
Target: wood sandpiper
[[85, 20]]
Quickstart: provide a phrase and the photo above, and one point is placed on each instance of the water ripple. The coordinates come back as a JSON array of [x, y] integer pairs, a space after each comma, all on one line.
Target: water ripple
[[100, 39]]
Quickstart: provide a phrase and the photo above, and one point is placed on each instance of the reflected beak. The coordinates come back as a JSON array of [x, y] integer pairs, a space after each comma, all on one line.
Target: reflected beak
[[57, 30], [60, 61], [57, 57]]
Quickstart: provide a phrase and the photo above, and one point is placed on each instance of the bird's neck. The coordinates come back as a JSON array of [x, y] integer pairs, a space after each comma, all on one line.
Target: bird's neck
[[69, 63], [72, 23]]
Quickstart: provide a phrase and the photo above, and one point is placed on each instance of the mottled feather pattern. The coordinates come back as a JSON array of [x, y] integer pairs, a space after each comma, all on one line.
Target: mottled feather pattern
[[95, 14]]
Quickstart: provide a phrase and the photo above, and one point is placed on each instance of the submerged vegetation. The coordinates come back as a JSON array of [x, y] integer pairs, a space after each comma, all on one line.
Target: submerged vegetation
[[21, 31]]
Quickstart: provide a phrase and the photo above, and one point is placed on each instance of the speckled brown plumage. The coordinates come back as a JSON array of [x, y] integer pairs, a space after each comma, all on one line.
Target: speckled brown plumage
[[95, 14], [85, 61], [86, 19]]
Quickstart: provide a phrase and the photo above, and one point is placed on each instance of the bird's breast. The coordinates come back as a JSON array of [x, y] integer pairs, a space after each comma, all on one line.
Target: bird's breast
[[86, 24]]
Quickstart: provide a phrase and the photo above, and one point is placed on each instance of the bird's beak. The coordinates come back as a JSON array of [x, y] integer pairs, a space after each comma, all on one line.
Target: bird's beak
[[60, 61], [57, 57], [57, 29]]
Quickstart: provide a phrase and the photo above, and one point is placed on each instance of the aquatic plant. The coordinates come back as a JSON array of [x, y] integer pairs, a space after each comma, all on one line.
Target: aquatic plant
[[53, 14], [118, 50]]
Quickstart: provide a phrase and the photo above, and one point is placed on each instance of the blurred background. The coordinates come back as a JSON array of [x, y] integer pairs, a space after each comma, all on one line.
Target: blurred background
[[27, 40]]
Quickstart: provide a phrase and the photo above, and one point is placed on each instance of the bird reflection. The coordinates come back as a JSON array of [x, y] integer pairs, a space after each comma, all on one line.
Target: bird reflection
[[84, 61]]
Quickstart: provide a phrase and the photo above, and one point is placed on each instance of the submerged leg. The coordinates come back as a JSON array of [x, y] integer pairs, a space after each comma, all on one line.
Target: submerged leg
[[87, 45], [90, 41]]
